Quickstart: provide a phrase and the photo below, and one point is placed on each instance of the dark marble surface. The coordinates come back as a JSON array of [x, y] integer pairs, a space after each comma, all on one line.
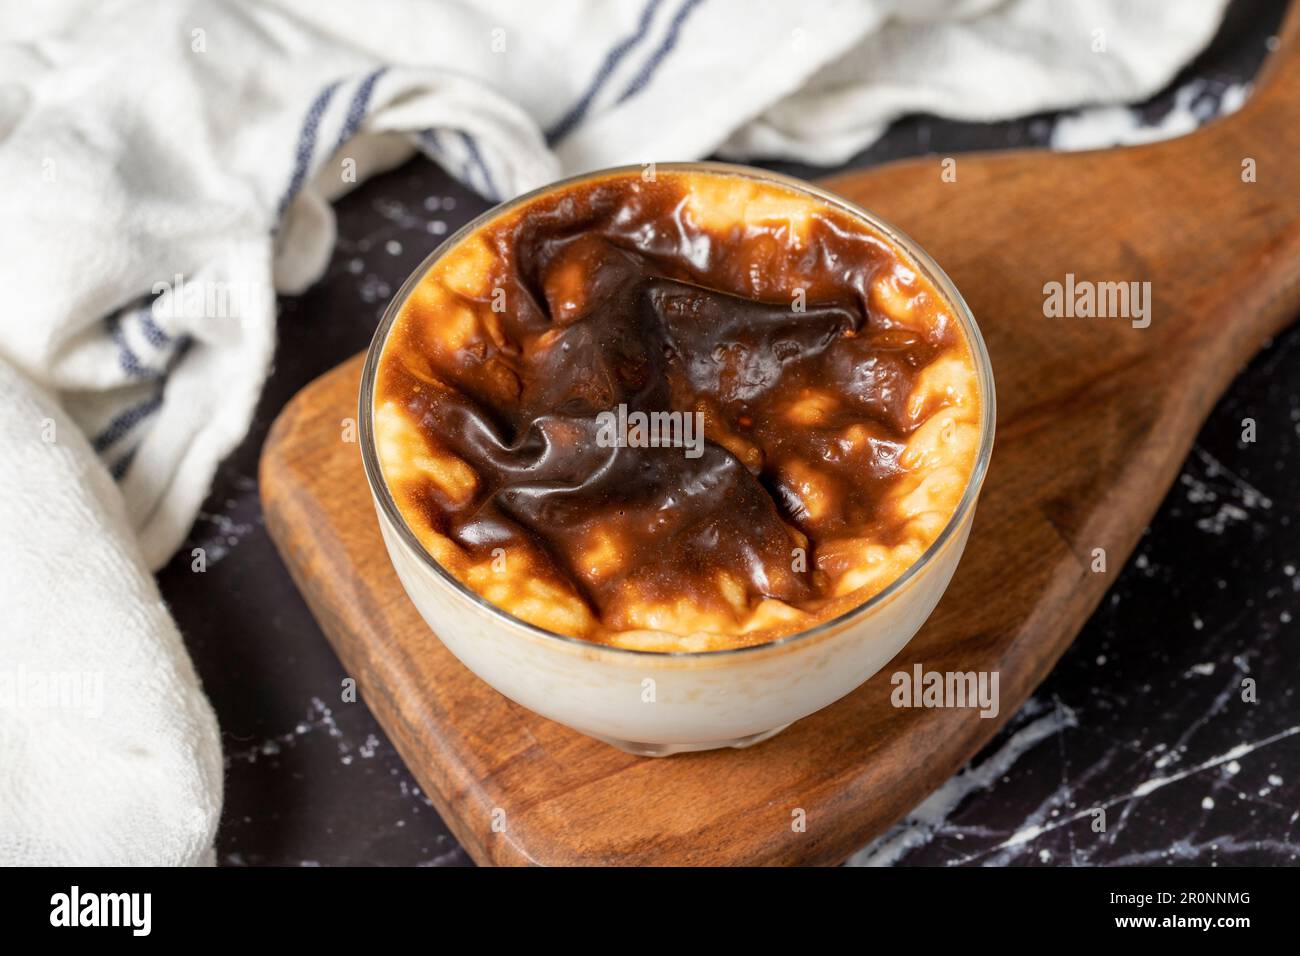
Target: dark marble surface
[[1142, 716]]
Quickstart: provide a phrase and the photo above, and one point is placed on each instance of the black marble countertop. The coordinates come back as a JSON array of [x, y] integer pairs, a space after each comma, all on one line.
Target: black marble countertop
[[1142, 716]]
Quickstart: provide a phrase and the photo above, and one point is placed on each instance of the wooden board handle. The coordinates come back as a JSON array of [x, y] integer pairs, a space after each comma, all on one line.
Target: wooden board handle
[[1228, 195]]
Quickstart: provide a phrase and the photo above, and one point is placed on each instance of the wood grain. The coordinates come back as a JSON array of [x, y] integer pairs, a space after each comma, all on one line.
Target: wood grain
[[1095, 418]]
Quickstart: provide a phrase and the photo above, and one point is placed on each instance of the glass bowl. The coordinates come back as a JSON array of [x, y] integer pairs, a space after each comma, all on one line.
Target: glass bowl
[[657, 703]]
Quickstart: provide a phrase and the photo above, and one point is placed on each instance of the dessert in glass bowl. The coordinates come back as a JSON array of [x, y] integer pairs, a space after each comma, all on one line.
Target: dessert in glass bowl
[[676, 456]]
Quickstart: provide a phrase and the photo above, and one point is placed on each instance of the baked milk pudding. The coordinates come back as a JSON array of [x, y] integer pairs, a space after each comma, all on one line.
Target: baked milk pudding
[[816, 396]]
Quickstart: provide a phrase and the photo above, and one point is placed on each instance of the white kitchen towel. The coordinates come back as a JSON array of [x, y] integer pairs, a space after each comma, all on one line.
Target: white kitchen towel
[[168, 168], [108, 749]]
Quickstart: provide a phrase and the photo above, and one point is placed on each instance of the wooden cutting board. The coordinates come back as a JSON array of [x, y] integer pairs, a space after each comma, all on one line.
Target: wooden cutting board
[[1095, 417]]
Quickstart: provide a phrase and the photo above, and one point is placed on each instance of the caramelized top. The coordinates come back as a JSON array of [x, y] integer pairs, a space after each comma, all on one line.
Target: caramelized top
[[833, 387]]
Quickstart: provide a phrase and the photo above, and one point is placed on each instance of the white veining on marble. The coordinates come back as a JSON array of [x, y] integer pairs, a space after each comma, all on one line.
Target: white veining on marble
[[931, 815], [1236, 499], [1032, 831], [219, 532], [319, 717]]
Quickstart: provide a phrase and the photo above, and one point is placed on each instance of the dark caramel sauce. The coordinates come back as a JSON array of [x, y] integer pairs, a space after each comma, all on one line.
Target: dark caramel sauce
[[611, 294]]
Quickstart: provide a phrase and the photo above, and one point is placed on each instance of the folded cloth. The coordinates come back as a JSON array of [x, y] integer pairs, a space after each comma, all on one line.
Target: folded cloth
[[169, 169], [109, 750]]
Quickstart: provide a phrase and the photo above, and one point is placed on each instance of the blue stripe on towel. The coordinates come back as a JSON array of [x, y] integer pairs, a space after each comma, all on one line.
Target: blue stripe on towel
[[128, 360], [471, 146], [430, 138], [306, 146], [433, 143], [126, 357], [153, 334], [124, 421], [612, 60], [647, 73], [359, 106], [119, 469]]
